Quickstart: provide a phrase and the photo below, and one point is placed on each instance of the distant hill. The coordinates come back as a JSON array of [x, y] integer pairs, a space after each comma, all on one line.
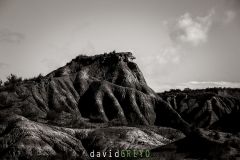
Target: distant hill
[[206, 108]]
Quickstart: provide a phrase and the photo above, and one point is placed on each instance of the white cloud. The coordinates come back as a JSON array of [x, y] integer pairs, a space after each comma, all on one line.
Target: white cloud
[[229, 16], [170, 54], [192, 30], [185, 29]]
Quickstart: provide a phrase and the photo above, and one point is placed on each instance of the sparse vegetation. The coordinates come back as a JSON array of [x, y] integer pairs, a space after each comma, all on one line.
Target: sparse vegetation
[[12, 80], [35, 79], [111, 56], [215, 90]]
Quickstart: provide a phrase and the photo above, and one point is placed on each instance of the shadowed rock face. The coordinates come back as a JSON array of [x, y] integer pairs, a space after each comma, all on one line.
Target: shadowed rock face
[[216, 110], [210, 108], [204, 145]]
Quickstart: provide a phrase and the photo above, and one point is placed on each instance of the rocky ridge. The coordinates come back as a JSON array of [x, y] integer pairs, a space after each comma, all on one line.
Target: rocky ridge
[[103, 103]]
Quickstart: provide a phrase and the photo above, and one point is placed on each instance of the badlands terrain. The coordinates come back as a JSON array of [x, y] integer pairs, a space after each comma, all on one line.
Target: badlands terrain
[[103, 104]]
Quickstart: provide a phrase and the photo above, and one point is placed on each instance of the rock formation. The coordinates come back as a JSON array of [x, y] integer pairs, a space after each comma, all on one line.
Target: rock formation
[[101, 103]]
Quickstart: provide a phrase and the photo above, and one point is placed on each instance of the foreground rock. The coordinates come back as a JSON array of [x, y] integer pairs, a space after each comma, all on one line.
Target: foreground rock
[[25, 139], [204, 144]]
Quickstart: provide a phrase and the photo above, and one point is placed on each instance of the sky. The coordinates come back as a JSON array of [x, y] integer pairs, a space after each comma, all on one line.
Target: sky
[[177, 43]]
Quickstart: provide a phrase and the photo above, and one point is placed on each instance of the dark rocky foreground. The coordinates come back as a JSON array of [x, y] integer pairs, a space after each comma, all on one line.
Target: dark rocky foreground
[[103, 104]]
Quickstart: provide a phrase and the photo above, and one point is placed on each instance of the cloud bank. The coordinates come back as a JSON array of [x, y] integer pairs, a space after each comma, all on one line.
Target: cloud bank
[[193, 30], [186, 29]]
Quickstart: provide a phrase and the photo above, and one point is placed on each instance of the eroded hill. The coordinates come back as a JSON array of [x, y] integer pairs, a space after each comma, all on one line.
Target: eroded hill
[[90, 92], [210, 108], [101, 103]]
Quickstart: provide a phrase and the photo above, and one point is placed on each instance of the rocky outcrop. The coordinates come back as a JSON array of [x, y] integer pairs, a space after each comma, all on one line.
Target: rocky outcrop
[[89, 93], [204, 144], [105, 88], [22, 138], [205, 108]]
